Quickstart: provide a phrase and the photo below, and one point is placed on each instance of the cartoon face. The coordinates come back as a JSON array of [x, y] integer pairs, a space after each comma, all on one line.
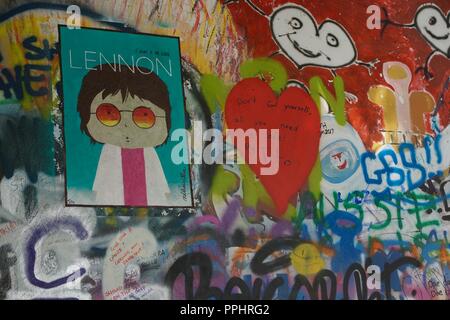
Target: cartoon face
[[339, 160], [434, 27], [129, 123], [297, 34], [306, 259]]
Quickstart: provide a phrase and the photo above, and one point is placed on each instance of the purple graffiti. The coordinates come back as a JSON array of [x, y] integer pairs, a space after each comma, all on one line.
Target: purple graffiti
[[66, 223]]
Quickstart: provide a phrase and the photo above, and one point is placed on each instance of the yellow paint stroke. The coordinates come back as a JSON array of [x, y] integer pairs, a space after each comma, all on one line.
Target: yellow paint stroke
[[306, 259], [396, 72], [43, 24], [385, 97], [421, 102], [418, 103], [214, 48]]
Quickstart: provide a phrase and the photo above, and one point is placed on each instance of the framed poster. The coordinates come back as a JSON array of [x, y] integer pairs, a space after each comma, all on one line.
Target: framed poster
[[123, 97]]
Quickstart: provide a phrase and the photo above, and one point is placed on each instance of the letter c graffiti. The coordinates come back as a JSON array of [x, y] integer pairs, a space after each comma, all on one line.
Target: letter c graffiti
[[38, 233]]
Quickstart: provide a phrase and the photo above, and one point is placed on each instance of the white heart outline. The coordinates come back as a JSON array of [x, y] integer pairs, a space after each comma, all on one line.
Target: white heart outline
[[317, 28], [427, 38]]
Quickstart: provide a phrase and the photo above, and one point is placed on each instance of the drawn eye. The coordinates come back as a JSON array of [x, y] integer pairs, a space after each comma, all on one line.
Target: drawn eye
[[332, 40], [144, 117], [108, 114], [432, 21], [296, 24]]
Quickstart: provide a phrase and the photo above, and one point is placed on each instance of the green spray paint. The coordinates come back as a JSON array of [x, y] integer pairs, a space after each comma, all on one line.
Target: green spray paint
[[337, 104], [215, 92], [266, 68], [224, 183], [254, 194], [253, 191]]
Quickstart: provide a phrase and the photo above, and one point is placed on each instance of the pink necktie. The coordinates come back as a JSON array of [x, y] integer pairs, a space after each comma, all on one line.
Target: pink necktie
[[134, 182]]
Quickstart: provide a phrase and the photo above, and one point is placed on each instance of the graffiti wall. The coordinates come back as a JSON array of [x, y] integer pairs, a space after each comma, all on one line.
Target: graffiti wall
[[317, 145]]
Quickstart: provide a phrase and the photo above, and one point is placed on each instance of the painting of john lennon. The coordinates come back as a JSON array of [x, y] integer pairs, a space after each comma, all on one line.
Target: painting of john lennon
[[129, 113]]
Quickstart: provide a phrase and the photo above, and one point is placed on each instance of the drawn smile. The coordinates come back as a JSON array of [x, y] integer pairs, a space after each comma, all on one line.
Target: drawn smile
[[444, 37], [343, 166], [303, 51]]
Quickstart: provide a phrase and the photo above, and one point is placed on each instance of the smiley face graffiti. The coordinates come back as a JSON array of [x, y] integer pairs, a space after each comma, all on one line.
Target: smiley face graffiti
[[306, 43], [433, 26], [339, 160], [299, 37]]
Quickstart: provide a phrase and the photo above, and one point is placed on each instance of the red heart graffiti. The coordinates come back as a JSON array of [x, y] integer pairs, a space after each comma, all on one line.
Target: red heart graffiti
[[252, 104]]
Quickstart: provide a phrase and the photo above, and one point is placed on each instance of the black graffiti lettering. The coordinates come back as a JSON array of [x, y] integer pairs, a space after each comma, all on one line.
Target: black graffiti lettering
[[272, 287], [257, 288], [444, 196], [36, 53], [258, 264], [29, 78], [236, 282], [319, 290], [320, 282], [360, 279], [184, 266], [429, 186], [300, 282], [30, 201], [324, 286], [13, 82]]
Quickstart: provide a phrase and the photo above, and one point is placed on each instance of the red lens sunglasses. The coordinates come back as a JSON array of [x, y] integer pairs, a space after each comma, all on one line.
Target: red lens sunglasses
[[110, 116]]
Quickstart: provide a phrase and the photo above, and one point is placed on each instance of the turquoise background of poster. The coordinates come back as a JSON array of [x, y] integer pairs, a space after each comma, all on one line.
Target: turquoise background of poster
[[81, 154]]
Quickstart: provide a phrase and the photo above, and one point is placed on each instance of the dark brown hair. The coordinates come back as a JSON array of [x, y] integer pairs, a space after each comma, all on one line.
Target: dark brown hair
[[146, 86]]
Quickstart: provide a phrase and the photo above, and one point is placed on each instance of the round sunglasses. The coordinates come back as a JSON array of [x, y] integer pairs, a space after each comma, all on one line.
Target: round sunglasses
[[110, 116]]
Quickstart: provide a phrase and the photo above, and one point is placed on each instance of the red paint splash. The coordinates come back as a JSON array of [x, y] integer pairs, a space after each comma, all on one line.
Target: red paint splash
[[397, 44]]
